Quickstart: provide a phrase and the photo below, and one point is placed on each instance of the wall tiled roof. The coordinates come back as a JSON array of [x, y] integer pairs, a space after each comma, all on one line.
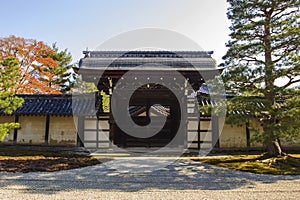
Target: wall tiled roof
[[67, 104], [60, 104], [64, 104], [46, 104]]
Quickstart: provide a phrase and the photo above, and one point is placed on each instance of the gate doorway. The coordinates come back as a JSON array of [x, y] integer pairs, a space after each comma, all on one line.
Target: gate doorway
[[152, 105]]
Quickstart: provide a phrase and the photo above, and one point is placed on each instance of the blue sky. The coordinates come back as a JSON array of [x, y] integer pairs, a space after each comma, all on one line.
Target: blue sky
[[78, 24]]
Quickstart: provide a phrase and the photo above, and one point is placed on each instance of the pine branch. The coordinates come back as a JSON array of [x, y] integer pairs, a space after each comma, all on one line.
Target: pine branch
[[291, 82]]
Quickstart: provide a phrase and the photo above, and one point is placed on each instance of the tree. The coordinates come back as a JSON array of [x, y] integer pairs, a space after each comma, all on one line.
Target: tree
[[65, 78], [82, 87], [9, 76], [36, 66], [263, 60]]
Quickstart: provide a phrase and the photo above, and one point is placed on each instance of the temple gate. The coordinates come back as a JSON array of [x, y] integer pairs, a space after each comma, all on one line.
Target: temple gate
[[165, 85]]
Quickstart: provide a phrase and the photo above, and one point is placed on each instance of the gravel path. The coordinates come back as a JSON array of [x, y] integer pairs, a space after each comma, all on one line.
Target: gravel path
[[148, 178]]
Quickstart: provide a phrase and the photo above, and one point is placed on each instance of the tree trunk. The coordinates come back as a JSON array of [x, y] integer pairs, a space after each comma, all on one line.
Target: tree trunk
[[271, 141], [274, 148]]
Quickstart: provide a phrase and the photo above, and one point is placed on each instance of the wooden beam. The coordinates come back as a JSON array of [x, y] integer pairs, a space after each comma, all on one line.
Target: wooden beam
[[16, 130], [248, 134], [47, 129], [198, 133]]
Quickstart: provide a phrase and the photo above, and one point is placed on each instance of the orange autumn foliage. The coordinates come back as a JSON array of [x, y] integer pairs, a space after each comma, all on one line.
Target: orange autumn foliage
[[35, 65]]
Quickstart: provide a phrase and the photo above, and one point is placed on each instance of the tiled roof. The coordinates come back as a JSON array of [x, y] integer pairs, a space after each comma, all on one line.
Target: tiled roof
[[148, 54], [60, 104], [148, 60], [204, 89], [67, 104], [157, 109], [45, 104]]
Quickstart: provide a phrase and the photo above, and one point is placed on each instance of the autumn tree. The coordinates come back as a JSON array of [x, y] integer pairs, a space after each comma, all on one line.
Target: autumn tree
[[9, 76], [263, 60], [36, 66]]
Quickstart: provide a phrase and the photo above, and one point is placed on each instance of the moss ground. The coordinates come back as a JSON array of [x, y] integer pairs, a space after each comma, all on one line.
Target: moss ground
[[258, 163]]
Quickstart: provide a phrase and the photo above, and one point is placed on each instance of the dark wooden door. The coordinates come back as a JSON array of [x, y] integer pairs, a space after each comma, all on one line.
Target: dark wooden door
[[162, 138]]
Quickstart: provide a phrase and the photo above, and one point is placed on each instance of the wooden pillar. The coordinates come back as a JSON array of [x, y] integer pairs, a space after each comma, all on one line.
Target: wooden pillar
[[80, 131], [184, 131], [148, 115], [248, 135], [111, 120], [184, 135], [47, 129], [198, 131], [97, 133], [16, 130], [215, 131]]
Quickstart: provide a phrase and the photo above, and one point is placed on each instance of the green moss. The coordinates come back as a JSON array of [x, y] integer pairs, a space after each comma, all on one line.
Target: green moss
[[286, 165]]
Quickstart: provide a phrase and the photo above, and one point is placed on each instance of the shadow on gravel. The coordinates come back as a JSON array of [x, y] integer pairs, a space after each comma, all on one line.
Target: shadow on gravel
[[183, 174]]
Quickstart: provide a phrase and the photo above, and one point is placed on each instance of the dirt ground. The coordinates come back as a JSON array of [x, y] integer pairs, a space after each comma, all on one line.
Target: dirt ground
[[43, 163]]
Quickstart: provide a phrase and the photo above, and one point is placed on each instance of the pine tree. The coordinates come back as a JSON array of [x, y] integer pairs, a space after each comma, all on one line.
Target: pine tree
[[263, 60], [9, 76], [64, 77]]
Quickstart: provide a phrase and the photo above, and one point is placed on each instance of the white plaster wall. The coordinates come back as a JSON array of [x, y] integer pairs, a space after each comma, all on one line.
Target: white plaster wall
[[32, 130], [233, 137], [257, 125], [62, 131]]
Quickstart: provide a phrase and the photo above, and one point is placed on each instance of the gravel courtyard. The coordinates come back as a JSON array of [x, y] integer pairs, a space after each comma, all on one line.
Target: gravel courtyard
[[148, 178]]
